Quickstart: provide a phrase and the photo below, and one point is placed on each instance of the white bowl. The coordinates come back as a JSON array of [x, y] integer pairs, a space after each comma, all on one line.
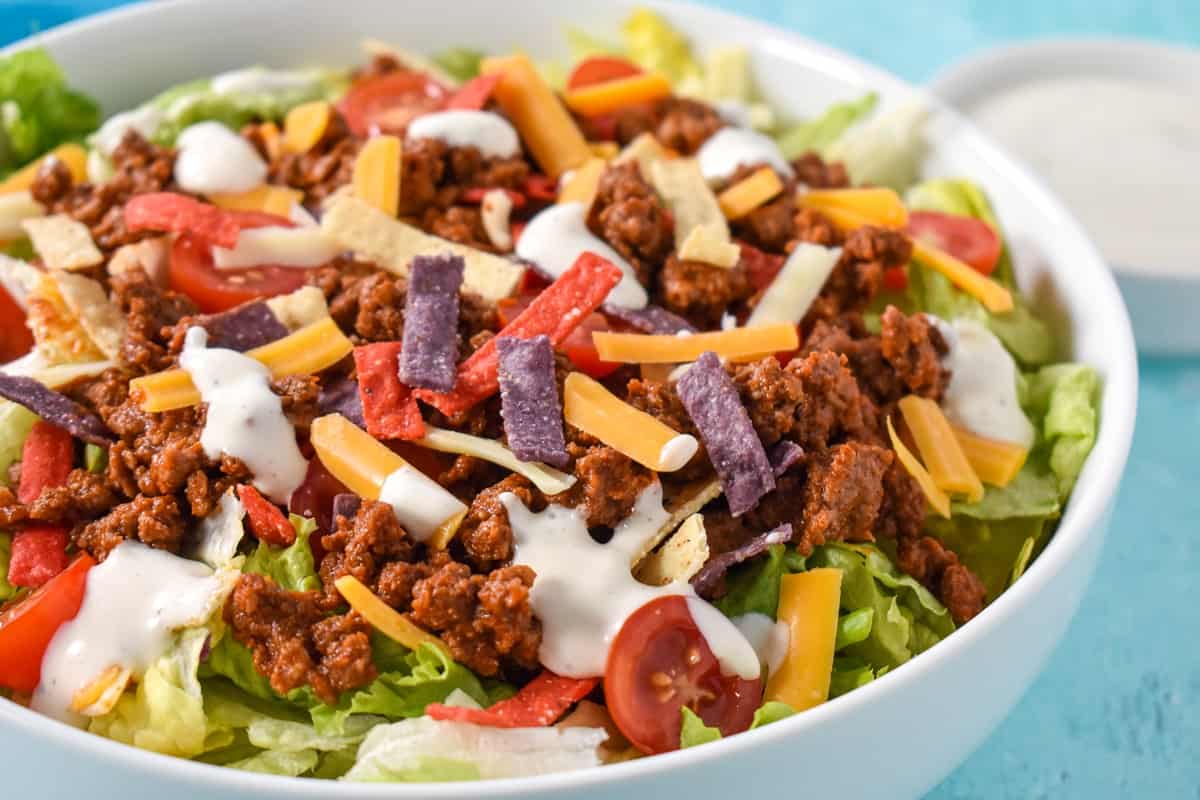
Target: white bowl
[[1163, 303], [895, 737]]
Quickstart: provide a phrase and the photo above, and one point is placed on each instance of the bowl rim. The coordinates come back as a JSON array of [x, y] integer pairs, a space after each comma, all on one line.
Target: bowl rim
[[1082, 519]]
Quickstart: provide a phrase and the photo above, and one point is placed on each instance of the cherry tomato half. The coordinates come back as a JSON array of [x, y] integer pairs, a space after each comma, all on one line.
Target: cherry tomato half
[[192, 271], [578, 346], [15, 339], [27, 627], [389, 102], [969, 240], [659, 662], [601, 69]]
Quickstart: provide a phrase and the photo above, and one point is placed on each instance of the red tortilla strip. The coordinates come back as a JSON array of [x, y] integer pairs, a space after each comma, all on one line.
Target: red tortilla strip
[[176, 213], [557, 311], [539, 703], [267, 522], [475, 93], [39, 552], [388, 405], [46, 459]]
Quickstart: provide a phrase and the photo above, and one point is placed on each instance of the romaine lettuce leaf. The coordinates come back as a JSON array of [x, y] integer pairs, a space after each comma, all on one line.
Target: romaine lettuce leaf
[[7, 590], [38, 111], [990, 547], [15, 423], [291, 764], [887, 150], [656, 46], [753, 587], [291, 567], [819, 133], [1033, 492], [693, 731], [1065, 397], [461, 63]]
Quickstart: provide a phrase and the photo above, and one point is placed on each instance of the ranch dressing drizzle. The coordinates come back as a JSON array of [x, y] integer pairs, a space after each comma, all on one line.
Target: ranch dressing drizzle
[[419, 502], [490, 133], [982, 394], [584, 590], [245, 418], [213, 159], [257, 80], [145, 120], [133, 603], [557, 236], [769, 638], [730, 148]]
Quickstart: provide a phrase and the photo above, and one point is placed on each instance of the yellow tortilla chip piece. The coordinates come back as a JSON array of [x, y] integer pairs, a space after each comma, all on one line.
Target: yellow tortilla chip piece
[[581, 186], [679, 558], [645, 150], [691, 201], [375, 236], [297, 309], [639, 348], [152, 256], [749, 193], [710, 245], [63, 243], [98, 315], [15, 208], [57, 333], [681, 503]]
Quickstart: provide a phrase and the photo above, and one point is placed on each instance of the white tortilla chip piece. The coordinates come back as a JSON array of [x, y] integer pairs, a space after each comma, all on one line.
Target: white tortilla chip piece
[[693, 205], [152, 256], [679, 558], [97, 314], [18, 278], [58, 336], [710, 245], [101, 695], [681, 504], [63, 243], [15, 208], [392, 244], [302, 307], [645, 150]]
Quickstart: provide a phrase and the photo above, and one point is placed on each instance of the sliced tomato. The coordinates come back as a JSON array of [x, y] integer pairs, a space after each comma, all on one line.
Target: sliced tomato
[[475, 93], [659, 662], [15, 338], [27, 627], [389, 102], [895, 279], [970, 240], [541, 187], [601, 69], [578, 345], [761, 268], [192, 273], [314, 497]]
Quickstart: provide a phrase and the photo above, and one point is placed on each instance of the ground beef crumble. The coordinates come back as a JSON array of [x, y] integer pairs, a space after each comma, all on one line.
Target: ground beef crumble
[[628, 214]]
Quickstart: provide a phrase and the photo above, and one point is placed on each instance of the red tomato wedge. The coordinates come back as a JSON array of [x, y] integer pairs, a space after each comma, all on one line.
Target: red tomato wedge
[[27, 627], [601, 69], [475, 93], [761, 268], [314, 497], [659, 662], [15, 338], [387, 103], [541, 187], [267, 522], [970, 240], [176, 213], [578, 346]]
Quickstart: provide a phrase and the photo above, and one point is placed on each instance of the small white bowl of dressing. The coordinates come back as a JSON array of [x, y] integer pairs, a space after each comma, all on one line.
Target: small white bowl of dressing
[[1113, 126]]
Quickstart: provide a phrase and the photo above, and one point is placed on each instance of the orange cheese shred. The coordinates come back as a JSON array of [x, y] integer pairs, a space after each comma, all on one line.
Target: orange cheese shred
[[377, 173], [995, 298], [544, 124], [310, 349], [749, 193], [581, 186], [936, 497], [384, 618], [601, 98], [995, 462], [808, 605], [877, 206], [737, 343], [70, 154], [939, 448], [304, 126], [278, 200]]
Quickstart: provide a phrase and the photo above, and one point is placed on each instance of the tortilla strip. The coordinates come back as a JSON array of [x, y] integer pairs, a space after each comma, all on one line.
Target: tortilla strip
[[97, 314], [681, 556], [62, 242], [680, 504]]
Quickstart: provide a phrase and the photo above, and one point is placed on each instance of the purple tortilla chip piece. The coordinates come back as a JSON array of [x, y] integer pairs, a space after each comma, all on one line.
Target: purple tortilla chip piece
[[56, 408], [712, 401], [651, 319], [243, 328], [345, 505], [711, 573], [429, 349], [529, 401], [785, 455], [341, 397]]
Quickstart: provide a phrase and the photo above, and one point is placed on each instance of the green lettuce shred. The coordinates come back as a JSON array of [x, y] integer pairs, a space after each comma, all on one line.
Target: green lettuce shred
[[886, 150], [7, 590], [15, 423], [694, 732], [656, 46], [819, 133], [461, 63], [291, 567], [1066, 398], [38, 111]]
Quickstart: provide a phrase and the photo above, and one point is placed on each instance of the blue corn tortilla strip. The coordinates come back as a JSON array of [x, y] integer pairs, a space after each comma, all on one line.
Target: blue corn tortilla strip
[[56, 408], [246, 327], [345, 504], [651, 319], [712, 401], [529, 401], [711, 573], [785, 455], [341, 397], [429, 348]]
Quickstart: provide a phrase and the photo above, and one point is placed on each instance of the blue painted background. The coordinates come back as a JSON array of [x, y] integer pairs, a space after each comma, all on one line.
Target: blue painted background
[[1117, 712]]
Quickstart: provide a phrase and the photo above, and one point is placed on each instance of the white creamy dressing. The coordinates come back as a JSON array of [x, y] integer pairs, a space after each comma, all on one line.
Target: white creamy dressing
[[585, 590], [419, 502], [258, 80], [496, 211], [556, 237], [145, 120], [302, 247], [982, 394], [134, 601], [213, 159], [1124, 153], [730, 148], [677, 452], [491, 134], [245, 418], [769, 638]]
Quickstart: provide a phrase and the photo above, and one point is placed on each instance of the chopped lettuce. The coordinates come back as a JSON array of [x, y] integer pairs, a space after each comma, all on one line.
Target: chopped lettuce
[[693, 731], [653, 44], [1032, 493], [461, 63], [854, 627], [849, 673], [820, 133], [15, 423], [582, 45], [291, 764], [7, 590], [753, 587], [291, 567], [95, 458], [38, 111], [1065, 398], [886, 150], [991, 547], [966, 199], [425, 749], [727, 81]]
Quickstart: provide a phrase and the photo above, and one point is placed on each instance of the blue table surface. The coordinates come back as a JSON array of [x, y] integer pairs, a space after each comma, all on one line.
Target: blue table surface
[[1117, 711]]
